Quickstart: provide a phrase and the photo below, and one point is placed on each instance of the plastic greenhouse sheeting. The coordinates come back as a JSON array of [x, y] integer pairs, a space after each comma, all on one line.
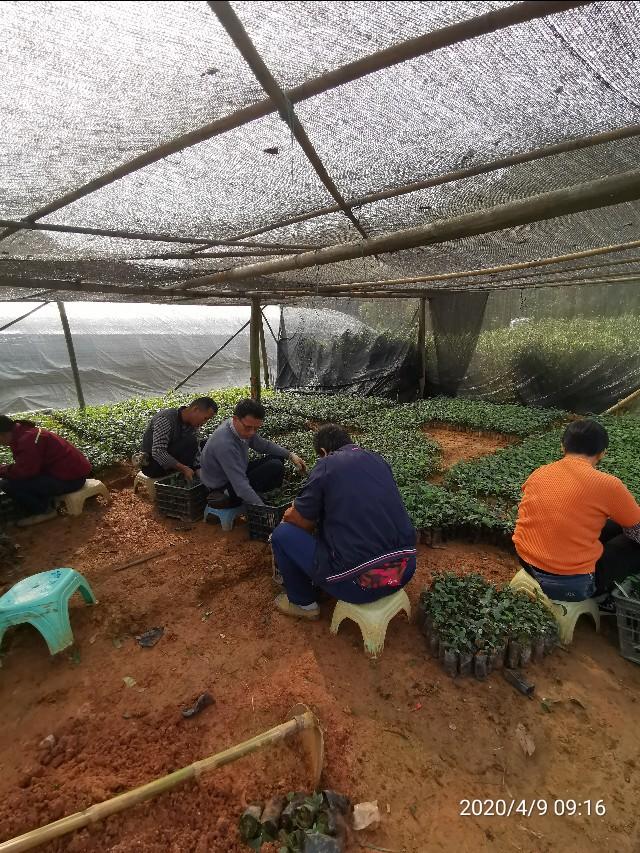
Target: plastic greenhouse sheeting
[[122, 351]]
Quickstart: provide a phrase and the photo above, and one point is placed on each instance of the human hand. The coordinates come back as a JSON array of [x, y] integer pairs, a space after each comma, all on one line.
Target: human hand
[[186, 472], [298, 462]]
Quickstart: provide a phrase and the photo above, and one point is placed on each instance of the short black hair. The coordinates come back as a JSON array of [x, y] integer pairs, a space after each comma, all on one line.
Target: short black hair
[[251, 408], [586, 437], [330, 437], [204, 403]]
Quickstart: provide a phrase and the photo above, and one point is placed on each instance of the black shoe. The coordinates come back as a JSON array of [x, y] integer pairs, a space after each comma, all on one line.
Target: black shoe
[[607, 606]]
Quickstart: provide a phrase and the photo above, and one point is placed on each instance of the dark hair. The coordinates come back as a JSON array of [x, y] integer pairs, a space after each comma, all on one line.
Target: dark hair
[[251, 408], [586, 437], [330, 437], [7, 424], [204, 403]]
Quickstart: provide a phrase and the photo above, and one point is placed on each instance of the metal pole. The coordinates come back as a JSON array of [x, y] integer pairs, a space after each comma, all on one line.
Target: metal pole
[[254, 347], [22, 316], [207, 360], [72, 354], [422, 345], [263, 348]]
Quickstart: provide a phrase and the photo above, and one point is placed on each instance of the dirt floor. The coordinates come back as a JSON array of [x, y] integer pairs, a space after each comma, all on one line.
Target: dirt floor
[[460, 446], [397, 730]]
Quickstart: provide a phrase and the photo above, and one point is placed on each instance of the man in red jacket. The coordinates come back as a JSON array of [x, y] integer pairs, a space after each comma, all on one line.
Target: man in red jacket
[[45, 466]]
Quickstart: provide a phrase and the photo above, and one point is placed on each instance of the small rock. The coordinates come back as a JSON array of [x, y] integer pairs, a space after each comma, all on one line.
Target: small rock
[[48, 743], [25, 780]]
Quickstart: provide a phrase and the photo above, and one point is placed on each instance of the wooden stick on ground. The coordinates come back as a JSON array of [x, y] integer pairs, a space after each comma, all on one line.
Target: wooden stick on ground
[[300, 723], [138, 560]]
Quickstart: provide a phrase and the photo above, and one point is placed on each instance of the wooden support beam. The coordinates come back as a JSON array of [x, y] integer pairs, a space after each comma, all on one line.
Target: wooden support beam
[[72, 353], [575, 144], [233, 26], [603, 192], [254, 348], [422, 344], [419, 46], [263, 350]]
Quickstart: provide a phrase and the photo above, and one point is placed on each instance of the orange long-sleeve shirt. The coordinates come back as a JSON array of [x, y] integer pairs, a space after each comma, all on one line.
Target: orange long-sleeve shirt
[[564, 507]]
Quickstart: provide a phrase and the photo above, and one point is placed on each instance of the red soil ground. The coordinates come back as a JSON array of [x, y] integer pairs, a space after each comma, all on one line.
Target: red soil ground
[[396, 730]]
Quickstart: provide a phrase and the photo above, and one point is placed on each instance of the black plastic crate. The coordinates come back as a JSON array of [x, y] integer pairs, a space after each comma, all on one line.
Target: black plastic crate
[[177, 498], [263, 520], [628, 616]]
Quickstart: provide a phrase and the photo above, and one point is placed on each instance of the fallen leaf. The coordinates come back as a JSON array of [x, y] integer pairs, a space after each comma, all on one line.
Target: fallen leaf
[[525, 740], [129, 682]]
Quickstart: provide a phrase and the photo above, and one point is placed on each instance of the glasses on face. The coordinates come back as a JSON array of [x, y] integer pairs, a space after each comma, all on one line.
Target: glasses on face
[[249, 427]]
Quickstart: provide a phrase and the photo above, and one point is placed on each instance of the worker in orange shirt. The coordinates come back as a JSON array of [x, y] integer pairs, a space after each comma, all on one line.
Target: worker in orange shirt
[[578, 529]]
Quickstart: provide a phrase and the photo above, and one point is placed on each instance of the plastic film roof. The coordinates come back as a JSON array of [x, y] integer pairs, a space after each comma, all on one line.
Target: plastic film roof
[[87, 87]]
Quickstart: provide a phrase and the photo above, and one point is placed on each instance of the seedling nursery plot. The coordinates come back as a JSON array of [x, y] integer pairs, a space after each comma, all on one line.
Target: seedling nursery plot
[[474, 498]]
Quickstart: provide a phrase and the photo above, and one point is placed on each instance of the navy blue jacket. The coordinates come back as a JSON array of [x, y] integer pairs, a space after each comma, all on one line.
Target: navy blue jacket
[[361, 520]]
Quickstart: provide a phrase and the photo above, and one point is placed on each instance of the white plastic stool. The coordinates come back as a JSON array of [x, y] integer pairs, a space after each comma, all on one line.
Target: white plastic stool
[[372, 619], [74, 501], [146, 484], [566, 613]]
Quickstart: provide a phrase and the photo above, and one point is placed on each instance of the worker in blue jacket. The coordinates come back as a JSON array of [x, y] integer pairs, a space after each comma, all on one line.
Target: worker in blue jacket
[[364, 545]]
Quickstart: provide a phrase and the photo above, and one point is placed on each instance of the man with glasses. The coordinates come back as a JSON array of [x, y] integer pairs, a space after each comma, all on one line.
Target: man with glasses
[[225, 466]]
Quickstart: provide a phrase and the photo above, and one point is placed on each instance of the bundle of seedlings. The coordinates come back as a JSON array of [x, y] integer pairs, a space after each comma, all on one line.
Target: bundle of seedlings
[[474, 627], [299, 822]]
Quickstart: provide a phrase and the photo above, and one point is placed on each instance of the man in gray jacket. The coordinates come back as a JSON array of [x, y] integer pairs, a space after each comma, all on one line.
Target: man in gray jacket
[[224, 462]]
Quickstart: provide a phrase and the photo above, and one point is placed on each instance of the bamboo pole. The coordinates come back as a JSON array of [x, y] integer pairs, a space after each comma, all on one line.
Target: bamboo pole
[[233, 26], [263, 349], [204, 242], [301, 723], [422, 344], [254, 348], [72, 353], [602, 192], [481, 25], [521, 265], [576, 144], [622, 404]]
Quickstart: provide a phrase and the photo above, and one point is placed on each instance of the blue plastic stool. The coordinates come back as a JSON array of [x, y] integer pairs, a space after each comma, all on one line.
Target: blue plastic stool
[[42, 600], [226, 516]]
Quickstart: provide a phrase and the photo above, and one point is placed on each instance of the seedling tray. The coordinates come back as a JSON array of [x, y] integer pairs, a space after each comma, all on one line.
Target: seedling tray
[[628, 616], [263, 520], [177, 498]]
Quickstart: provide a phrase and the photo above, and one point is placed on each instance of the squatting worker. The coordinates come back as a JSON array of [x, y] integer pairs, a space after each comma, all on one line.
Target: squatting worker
[[45, 466], [365, 543], [578, 528], [225, 466], [170, 441]]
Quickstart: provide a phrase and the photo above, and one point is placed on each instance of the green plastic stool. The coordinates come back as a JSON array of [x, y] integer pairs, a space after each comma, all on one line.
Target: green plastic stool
[[42, 600]]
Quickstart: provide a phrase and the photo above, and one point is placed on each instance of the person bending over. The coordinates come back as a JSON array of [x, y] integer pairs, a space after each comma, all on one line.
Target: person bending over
[[225, 466], [45, 466], [170, 441], [578, 529], [365, 543]]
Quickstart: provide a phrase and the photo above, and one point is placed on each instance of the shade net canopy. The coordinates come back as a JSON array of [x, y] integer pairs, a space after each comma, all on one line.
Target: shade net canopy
[[139, 141]]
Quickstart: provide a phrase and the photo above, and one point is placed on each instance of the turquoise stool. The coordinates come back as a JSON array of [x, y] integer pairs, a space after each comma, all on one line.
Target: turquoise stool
[[42, 600], [226, 516]]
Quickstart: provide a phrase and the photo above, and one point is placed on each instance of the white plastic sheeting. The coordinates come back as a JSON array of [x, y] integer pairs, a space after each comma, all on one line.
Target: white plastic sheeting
[[122, 351]]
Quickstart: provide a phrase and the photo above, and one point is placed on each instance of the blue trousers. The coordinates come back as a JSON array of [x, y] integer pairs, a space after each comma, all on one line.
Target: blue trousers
[[34, 494], [294, 550]]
